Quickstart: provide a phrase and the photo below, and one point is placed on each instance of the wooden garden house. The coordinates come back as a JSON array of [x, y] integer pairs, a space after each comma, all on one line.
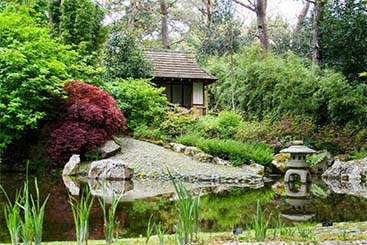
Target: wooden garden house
[[185, 82]]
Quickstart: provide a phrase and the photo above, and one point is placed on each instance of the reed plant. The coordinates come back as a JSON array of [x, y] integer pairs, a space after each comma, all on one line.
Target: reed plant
[[26, 222], [29, 228], [160, 233], [260, 224], [305, 232], [149, 230], [12, 216], [188, 219], [81, 210], [37, 214], [111, 223], [281, 230]]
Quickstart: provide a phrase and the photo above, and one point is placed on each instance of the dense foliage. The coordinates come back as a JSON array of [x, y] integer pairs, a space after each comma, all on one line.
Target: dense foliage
[[267, 86], [32, 70], [78, 23], [92, 116], [124, 58], [142, 103], [221, 33], [344, 37]]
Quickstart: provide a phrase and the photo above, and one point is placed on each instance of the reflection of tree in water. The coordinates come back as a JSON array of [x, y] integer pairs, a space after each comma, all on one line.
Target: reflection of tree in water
[[138, 213], [340, 208], [236, 207]]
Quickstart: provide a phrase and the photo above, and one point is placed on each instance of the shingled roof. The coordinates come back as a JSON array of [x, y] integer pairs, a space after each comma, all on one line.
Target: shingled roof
[[176, 64]]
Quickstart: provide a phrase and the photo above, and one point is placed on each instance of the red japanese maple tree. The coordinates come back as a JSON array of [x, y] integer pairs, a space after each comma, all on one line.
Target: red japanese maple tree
[[92, 117]]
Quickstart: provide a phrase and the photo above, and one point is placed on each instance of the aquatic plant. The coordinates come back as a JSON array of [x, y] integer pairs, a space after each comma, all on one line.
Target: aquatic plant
[[110, 222], [149, 229], [188, 219], [37, 214], [12, 216], [26, 223], [160, 233], [305, 232], [81, 210], [31, 226], [280, 229], [259, 224]]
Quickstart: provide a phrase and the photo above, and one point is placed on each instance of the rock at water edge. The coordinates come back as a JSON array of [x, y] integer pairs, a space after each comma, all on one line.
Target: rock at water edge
[[72, 185], [259, 169], [191, 150], [72, 166], [110, 169], [203, 157], [108, 149], [351, 170], [178, 147], [220, 161]]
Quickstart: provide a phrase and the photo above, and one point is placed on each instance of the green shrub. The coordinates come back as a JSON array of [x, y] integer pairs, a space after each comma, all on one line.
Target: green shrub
[[33, 68], [224, 126], [178, 121], [236, 152], [269, 86], [142, 103]]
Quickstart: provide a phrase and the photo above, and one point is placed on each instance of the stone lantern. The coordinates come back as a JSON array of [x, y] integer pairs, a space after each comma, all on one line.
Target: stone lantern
[[297, 164]]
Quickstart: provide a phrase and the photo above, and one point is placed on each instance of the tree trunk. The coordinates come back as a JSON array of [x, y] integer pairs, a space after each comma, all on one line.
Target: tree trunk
[[164, 23], [209, 4], [301, 18], [316, 33], [260, 10], [131, 14]]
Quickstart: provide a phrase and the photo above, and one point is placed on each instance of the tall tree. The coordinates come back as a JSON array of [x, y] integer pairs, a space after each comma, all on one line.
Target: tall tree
[[301, 17], [259, 8], [344, 37], [164, 24], [222, 34], [318, 8], [79, 23], [124, 57], [339, 39]]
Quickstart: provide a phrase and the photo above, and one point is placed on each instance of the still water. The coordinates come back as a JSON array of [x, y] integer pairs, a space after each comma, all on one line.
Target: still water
[[222, 207]]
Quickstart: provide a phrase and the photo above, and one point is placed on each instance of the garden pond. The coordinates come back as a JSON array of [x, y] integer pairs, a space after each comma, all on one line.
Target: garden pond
[[222, 207]]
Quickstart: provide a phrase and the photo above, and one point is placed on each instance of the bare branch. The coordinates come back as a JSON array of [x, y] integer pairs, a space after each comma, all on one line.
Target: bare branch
[[301, 17], [310, 1], [252, 8]]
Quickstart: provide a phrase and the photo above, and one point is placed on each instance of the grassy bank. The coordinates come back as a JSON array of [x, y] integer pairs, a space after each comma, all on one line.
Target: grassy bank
[[346, 231]]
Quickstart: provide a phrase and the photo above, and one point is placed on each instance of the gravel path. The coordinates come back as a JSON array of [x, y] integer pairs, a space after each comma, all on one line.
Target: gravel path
[[152, 161]]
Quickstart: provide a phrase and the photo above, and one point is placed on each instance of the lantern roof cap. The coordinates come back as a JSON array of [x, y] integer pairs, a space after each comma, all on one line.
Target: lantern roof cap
[[298, 147]]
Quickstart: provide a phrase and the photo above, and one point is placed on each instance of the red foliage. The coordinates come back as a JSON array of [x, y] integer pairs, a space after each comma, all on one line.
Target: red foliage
[[87, 103], [92, 117], [74, 138]]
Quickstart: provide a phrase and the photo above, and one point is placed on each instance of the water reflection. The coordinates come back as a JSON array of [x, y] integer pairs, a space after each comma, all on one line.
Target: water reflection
[[222, 207], [299, 202], [143, 189]]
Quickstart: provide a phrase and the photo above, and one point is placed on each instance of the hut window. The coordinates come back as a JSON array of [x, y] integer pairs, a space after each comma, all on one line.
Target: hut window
[[177, 94], [168, 90], [187, 95]]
